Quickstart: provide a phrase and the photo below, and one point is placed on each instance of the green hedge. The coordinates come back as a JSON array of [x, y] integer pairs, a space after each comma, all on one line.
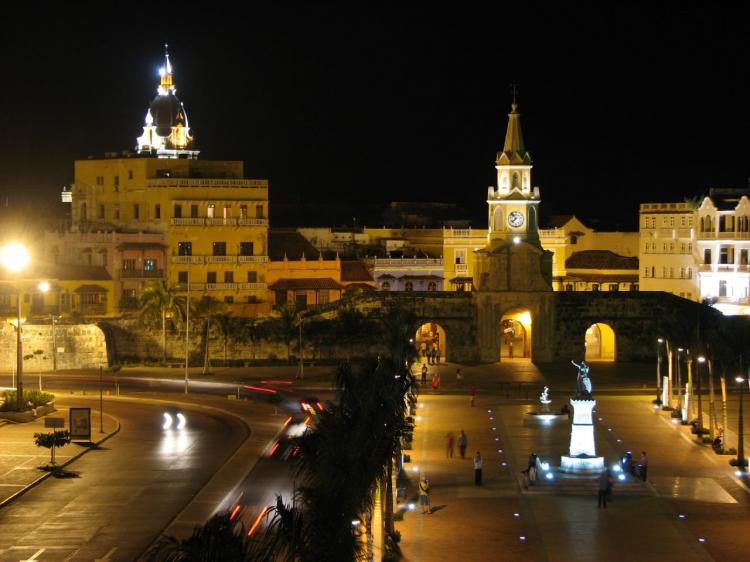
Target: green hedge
[[36, 397]]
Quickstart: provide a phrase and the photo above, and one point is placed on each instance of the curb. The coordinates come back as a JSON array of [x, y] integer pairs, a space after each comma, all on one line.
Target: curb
[[75, 457]]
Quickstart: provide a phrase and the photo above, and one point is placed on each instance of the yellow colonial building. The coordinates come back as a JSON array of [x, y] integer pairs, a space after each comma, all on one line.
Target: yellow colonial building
[[213, 219]]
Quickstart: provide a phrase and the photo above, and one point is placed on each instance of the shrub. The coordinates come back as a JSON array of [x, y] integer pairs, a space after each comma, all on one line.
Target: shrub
[[36, 397], [667, 408], [730, 451], [676, 414], [396, 536], [114, 368], [398, 516], [708, 440], [657, 401], [390, 557]]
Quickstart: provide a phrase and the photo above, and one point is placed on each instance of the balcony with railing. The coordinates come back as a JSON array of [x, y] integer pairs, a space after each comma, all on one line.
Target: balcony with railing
[[252, 286], [252, 259], [217, 221], [221, 286], [93, 309], [142, 273], [206, 182], [252, 222], [462, 268], [724, 267], [188, 259], [728, 235], [405, 261], [221, 259]]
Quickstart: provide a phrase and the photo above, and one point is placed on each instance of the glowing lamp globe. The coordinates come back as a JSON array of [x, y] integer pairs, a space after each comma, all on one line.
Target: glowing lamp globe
[[14, 257]]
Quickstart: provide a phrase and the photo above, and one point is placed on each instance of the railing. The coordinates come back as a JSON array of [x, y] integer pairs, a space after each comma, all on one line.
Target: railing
[[252, 259], [221, 286], [253, 222], [187, 259], [406, 261], [193, 287], [186, 222], [205, 182], [551, 233], [221, 259], [141, 273], [44, 310], [462, 268], [729, 235], [251, 286], [723, 267], [221, 221], [734, 300]]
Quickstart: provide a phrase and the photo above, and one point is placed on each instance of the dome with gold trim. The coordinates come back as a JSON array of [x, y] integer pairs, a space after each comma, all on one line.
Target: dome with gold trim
[[166, 132]]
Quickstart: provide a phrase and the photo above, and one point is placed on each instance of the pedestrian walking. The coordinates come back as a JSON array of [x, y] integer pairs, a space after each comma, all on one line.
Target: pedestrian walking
[[604, 486], [424, 373], [478, 462], [432, 356], [436, 381], [459, 376], [463, 441], [437, 356], [472, 395], [424, 495], [449, 440], [530, 471], [643, 466]]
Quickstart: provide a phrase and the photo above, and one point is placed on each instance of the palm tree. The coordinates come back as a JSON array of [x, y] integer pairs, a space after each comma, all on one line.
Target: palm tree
[[218, 540], [285, 326], [250, 330], [159, 301], [227, 325], [208, 308], [352, 327]]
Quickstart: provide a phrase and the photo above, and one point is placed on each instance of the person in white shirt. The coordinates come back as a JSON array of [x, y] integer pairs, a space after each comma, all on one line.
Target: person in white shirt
[[478, 469]]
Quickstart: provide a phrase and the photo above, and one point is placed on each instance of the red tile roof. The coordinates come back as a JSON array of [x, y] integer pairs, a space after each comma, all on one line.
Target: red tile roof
[[354, 270], [309, 283]]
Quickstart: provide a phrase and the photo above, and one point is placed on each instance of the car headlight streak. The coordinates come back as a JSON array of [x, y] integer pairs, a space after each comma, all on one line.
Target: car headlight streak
[[169, 421]]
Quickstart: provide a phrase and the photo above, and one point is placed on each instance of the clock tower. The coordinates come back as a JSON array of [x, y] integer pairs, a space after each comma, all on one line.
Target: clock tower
[[513, 212]]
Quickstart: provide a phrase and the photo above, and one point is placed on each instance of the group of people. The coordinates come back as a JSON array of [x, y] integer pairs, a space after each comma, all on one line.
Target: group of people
[[450, 442], [435, 377], [639, 469], [432, 355]]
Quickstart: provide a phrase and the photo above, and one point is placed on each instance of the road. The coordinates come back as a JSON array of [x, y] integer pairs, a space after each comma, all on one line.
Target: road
[[123, 495]]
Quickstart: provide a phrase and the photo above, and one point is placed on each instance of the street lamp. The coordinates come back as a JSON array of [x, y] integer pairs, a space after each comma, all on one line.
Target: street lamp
[[740, 434], [44, 287], [659, 341], [679, 381], [699, 373], [15, 258]]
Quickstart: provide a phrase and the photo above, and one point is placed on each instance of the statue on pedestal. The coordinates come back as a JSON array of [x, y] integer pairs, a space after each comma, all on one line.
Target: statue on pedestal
[[545, 399], [583, 386]]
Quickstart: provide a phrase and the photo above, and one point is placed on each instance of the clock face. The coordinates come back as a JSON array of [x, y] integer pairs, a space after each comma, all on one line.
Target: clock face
[[515, 219]]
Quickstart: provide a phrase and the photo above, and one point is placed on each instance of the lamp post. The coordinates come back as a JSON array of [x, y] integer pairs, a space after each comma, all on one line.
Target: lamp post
[[679, 382], [187, 331], [15, 258], [740, 434], [659, 341], [44, 287], [699, 376]]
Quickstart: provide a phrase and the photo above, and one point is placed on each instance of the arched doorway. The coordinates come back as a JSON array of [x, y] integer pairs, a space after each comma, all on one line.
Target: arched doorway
[[430, 337], [515, 334], [600, 343]]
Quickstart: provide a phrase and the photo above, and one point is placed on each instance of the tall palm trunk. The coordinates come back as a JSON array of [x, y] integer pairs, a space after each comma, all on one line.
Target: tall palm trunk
[[164, 335], [389, 526], [205, 356]]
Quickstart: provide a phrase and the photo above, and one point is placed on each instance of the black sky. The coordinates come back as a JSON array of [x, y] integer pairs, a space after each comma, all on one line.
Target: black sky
[[368, 104]]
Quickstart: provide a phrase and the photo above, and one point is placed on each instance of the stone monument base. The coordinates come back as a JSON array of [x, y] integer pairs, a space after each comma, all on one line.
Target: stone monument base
[[582, 464]]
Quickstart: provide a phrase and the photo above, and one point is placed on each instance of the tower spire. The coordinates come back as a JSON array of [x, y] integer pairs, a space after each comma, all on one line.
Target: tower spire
[[514, 150], [166, 86]]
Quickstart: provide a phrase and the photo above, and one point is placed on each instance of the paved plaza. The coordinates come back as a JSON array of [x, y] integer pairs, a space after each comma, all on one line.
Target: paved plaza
[[692, 494]]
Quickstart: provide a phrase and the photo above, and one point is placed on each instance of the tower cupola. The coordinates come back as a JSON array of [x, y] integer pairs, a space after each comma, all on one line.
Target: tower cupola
[[166, 131]]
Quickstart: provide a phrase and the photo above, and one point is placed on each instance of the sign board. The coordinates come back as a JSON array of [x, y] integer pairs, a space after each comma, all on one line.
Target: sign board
[[61, 350], [54, 422], [80, 423]]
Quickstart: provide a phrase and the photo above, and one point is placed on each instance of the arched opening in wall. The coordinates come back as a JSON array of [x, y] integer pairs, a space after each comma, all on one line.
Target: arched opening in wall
[[431, 343], [515, 334], [600, 343]]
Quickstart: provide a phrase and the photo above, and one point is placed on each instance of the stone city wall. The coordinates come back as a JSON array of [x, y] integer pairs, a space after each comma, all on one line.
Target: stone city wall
[[79, 346]]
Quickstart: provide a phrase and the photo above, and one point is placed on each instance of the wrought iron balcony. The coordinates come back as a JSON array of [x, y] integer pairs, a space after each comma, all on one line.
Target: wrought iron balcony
[[142, 273]]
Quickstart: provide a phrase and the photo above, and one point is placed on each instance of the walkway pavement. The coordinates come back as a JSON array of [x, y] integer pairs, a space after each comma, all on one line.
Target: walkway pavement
[[479, 523], [20, 458]]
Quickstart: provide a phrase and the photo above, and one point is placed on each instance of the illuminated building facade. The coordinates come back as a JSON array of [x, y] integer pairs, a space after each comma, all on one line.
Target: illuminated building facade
[[213, 220]]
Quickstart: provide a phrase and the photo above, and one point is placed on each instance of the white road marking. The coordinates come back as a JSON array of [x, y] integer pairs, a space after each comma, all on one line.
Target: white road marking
[[106, 557], [37, 553]]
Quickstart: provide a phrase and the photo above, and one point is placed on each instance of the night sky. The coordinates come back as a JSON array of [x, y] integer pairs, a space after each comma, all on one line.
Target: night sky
[[336, 105]]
